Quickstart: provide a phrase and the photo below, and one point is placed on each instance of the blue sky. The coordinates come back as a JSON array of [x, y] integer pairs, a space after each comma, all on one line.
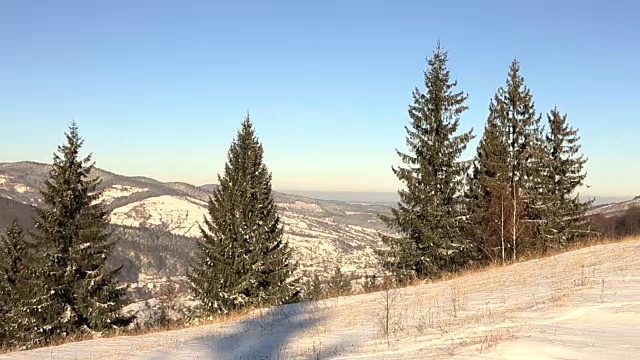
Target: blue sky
[[159, 88]]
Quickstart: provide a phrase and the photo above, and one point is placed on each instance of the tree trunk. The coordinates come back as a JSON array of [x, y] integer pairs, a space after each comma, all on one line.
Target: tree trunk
[[502, 228], [513, 224]]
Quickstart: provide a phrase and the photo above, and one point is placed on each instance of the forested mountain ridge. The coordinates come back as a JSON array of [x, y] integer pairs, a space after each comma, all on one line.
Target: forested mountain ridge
[[158, 222]]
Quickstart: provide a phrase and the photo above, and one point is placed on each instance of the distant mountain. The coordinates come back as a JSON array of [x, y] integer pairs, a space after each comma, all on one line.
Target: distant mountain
[[367, 197], [322, 233], [616, 208], [11, 210], [208, 187]]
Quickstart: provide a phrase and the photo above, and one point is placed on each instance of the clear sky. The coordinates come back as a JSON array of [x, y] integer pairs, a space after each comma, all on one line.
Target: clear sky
[[159, 88]]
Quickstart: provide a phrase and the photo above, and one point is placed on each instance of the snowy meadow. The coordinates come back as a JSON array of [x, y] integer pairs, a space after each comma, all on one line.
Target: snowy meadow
[[582, 304]]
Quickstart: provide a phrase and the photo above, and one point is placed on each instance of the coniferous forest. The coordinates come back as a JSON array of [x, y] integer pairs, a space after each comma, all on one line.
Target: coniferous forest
[[517, 197]]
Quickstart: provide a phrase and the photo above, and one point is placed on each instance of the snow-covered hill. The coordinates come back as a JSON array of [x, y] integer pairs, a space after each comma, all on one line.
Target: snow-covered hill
[[615, 208], [583, 304], [323, 234], [179, 215], [320, 241]]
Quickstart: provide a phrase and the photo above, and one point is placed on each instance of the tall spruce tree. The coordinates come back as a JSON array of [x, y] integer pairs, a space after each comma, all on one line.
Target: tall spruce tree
[[566, 218], [430, 212], [488, 192], [76, 291], [14, 260], [242, 257], [514, 112]]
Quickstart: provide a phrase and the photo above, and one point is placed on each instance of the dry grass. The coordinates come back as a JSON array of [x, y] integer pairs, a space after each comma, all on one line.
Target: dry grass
[[440, 315], [487, 268]]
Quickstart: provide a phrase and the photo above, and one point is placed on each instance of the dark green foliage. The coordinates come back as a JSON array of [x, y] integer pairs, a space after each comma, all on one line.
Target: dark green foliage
[[14, 289], [515, 111], [75, 291], [431, 208], [507, 173], [565, 218], [312, 287], [522, 191], [371, 283], [242, 258], [339, 284], [487, 193]]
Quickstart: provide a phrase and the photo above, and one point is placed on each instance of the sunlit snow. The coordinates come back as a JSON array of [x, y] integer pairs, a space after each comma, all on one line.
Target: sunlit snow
[[579, 305]]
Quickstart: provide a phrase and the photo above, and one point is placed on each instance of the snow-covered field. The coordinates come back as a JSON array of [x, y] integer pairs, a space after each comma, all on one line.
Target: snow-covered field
[[579, 305]]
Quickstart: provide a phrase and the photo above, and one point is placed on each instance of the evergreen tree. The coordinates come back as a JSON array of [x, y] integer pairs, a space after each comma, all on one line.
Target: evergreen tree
[[312, 286], [242, 257], [513, 111], [14, 253], [339, 284], [76, 291], [487, 192], [566, 218], [430, 212]]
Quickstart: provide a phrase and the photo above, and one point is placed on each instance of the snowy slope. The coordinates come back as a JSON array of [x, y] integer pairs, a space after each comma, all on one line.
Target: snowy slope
[[319, 242], [323, 234], [179, 215], [119, 191], [579, 305], [615, 208]]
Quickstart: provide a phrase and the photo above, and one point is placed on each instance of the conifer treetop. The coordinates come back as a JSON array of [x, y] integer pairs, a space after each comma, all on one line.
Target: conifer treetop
[[430, 206], [242, 258]]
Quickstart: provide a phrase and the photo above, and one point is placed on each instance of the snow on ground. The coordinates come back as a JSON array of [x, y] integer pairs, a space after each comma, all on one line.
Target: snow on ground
[[22, 188], [5, 183], [300, 205], [118, 191], [180, 215], [579, 305]]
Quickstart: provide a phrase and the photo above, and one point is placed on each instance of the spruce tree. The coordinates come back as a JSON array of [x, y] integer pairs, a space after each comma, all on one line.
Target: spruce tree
[[566, 216], [242, 258], [14, 260], [430, 212], [513, 110], [487, 192], [76, 291]]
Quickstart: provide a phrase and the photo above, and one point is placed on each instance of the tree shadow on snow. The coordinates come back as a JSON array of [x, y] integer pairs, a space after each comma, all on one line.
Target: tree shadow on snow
[[266, 336]]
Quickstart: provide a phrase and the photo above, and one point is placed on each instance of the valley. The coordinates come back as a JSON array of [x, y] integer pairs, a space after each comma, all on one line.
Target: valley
[[149, 215]]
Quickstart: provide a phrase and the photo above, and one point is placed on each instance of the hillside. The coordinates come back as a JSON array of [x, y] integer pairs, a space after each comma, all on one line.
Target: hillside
[[615, 209], [582, 304], [322, 233], [11, 210]]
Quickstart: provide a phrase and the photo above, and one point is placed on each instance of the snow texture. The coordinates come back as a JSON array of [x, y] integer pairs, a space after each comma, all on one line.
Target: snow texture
[[578, 305], [5, 184], [118, 191], [179, 215]]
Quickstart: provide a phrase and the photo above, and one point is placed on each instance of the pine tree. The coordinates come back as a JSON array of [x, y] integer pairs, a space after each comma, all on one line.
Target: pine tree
[[14, 257], [76, 291], [566, 216], [430, 212], [242, 257], [514, 112], [487, 192]]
